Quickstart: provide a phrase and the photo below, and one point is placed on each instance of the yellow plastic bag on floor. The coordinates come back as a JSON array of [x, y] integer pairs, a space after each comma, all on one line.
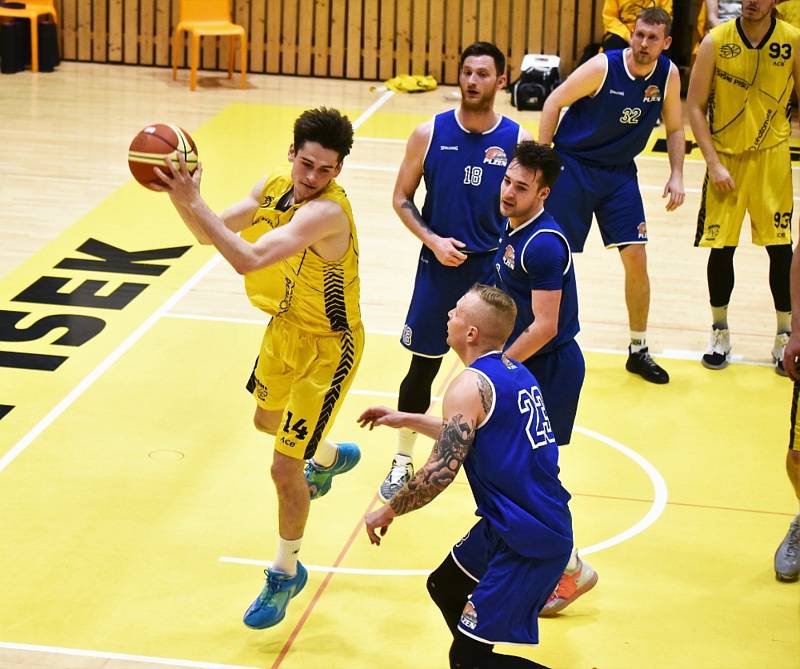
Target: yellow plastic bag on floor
[[411, 83]]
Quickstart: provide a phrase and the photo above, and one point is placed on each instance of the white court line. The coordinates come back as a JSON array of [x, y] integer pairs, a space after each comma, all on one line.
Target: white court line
[[104, 365], [656, 509], [659, 490], [369, 111], [119, 656], [669, 353]]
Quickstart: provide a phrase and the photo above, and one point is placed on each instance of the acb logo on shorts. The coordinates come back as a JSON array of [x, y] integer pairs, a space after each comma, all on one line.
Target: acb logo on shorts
[[407, 335], [469, 617]]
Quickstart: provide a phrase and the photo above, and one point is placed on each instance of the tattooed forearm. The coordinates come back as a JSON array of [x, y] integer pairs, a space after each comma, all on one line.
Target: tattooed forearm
[[409, 204], [441, 468], [486, 392]]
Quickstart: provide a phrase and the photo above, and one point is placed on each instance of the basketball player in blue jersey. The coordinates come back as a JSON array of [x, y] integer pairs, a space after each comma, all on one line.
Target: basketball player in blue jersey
[[534, 266], [615, 100], [462, 154], [493, 584]]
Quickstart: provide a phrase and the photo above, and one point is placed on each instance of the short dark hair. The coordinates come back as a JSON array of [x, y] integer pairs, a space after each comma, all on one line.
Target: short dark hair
[[485, 49], [539, 157], [655, 16], [326, 126]]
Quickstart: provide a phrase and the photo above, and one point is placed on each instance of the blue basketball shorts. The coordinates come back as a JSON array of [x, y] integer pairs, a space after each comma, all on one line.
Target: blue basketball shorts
[[611, 194], [436, 290], [560, 374], [510, 588]]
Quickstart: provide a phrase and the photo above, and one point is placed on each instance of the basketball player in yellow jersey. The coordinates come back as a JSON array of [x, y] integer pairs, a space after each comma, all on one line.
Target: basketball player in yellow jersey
[[298, 252], [737, 102]]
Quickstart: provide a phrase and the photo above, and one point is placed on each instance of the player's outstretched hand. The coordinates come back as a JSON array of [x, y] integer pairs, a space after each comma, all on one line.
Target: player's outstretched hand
[[790, 356], [449, 251], [178, 181], [674, 189], [375, 416], [379, 519], [721, 179]]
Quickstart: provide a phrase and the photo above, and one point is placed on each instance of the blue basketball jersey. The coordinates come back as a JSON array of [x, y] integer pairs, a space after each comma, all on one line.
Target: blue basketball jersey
[[612, 127], [536, 256], [512, 466], [463, 172]]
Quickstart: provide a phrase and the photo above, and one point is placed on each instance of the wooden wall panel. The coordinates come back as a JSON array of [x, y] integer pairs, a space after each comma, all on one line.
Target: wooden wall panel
[[371, 39], [386, 49], [435, 40], [357, 39], [354, 33], [305, 36], [274, 35], [99, 31], [69, 20]]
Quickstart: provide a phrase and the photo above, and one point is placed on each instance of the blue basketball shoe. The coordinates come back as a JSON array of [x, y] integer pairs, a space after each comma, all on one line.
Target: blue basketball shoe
[[319, 478], [269, 608]]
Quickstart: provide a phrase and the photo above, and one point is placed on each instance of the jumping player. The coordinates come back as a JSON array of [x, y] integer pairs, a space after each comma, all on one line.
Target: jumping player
[[298, 252]]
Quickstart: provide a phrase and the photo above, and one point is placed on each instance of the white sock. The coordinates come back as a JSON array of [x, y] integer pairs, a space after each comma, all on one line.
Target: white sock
[[405, 442], [719, 317], [325, 455], [572, 565], [286, 560], [783, 321], [638, 341]]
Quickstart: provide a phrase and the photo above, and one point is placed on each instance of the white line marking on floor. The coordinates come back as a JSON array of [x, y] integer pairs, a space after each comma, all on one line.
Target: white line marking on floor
[[659, 489], [369, 111], [104, 365], [119, 656], [333, 570], [660, 497]]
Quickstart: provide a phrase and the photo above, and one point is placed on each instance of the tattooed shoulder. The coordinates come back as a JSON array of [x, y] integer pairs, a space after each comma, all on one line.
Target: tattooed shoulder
[[486, 392]]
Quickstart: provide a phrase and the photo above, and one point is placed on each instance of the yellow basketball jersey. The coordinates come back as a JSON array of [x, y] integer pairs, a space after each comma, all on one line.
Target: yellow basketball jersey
[[315, 294], [747, 108]]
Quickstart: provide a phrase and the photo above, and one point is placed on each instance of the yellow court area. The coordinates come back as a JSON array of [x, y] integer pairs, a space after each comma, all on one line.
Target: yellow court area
[[136, 511]]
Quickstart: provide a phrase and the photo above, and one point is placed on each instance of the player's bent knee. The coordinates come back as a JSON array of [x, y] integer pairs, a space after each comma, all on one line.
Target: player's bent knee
[[266, 421], [466, 653]]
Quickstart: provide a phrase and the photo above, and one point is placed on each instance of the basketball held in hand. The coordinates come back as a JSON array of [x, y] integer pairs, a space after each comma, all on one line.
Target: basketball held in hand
[[155, 143]]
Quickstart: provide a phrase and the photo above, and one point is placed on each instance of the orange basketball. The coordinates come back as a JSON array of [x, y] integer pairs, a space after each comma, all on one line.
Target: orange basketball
[[154, 143]]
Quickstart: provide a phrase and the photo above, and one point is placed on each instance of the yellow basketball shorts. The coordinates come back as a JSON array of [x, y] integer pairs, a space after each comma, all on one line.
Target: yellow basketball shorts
[[763, 189], [306, 377]]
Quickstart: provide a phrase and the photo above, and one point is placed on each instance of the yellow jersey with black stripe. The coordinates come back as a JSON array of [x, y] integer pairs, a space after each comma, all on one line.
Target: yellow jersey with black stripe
[[317, 295], [747, 109]]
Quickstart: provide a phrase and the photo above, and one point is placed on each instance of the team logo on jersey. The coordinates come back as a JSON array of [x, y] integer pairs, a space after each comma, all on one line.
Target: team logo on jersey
[[508, 257], [267, 201], [495, 156], [407, 334], [469, 617], [652, 94], [729, 50], [642, 230]]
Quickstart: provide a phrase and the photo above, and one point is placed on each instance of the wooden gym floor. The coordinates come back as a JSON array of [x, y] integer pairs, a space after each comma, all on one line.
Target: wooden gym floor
[[135, 510]]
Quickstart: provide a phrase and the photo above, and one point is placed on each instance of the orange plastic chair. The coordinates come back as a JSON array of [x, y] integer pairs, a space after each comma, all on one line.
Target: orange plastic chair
[[207, 17], [32, 11]]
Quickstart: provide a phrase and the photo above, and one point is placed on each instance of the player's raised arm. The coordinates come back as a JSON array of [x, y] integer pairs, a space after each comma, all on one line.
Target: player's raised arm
[[676, 140], [584, 81], [447, 250], [466, 403]]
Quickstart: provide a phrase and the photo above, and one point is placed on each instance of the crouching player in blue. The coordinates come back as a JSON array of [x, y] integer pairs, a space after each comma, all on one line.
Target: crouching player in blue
[[534, 266], [494, 582]]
